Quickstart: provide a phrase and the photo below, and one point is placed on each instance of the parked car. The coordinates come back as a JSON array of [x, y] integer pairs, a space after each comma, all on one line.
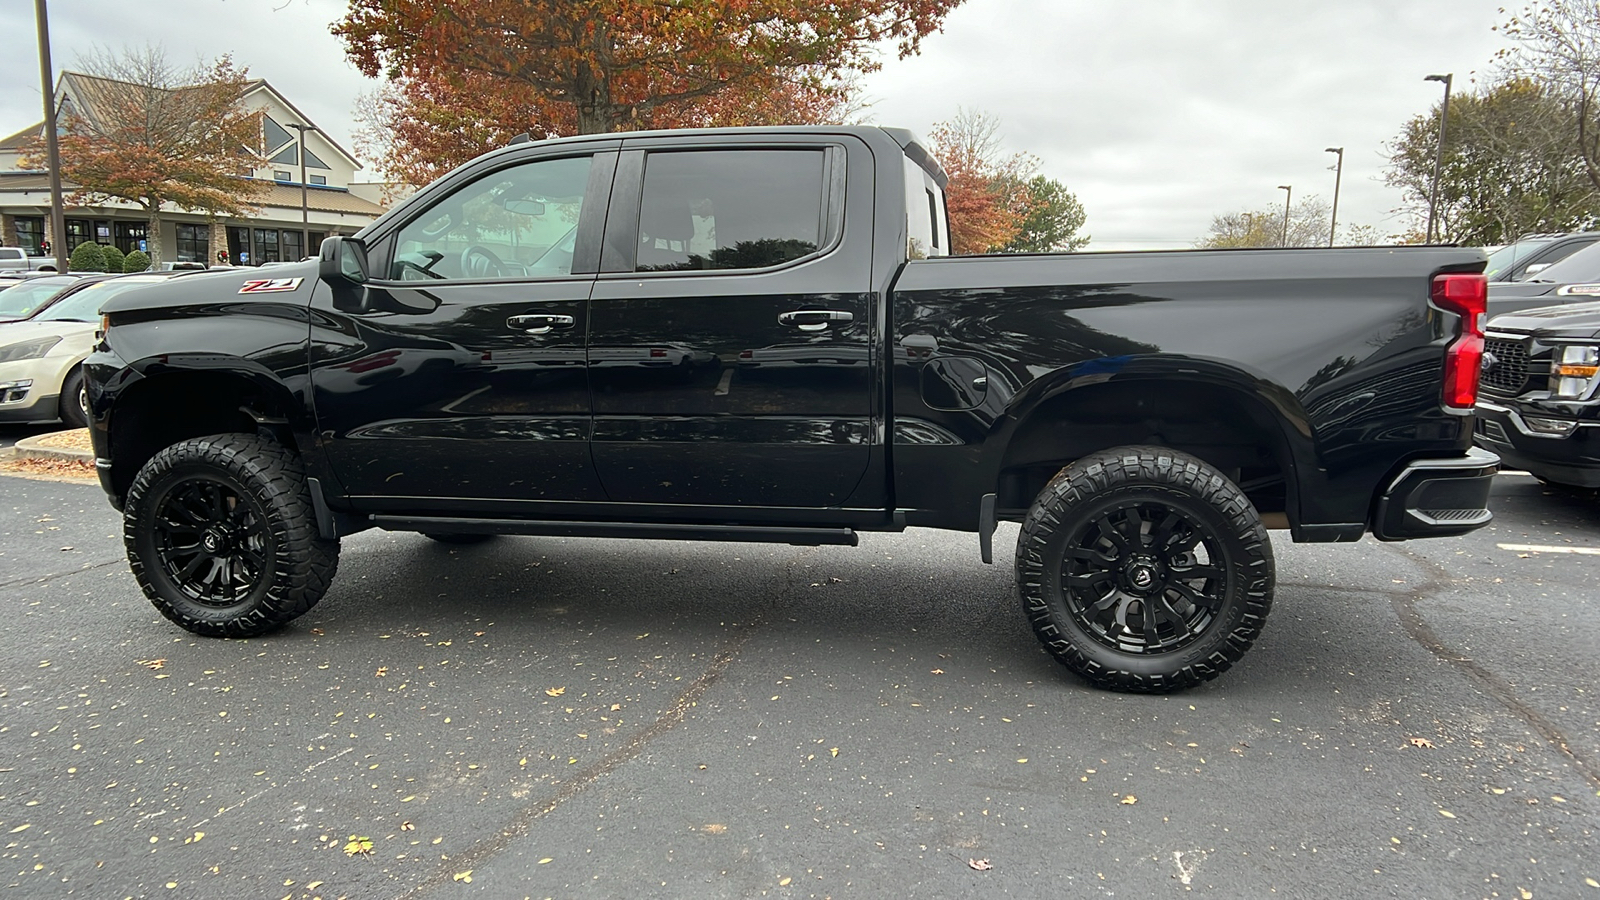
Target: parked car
[[1538, 409], [17, 259], [1144, 416], [1546, 287], [41, 374], [28, 295], [1528, 256]]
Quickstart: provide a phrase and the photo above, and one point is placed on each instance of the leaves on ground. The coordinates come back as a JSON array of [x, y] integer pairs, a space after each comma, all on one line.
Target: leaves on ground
[[463, 877], [358, 846], [714, 828], [555, 691], [1129, 800], [152, 664], [1420, 742], [382, 671], [982, 865]]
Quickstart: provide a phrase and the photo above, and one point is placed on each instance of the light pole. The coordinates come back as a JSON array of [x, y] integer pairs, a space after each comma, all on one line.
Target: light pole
[[52, 148], [1338, 176], [305, 215], [1288, 192], [1438, 156]]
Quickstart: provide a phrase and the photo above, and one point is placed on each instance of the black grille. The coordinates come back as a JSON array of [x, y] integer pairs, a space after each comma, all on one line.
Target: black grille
[[1509, 373]]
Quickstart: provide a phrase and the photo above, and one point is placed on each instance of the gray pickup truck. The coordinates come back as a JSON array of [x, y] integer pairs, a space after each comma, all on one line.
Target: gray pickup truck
[[16, 259]]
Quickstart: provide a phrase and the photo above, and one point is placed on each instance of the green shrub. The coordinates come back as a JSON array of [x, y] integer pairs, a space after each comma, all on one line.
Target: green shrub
[[135, 262], [113, 258], [87, 257]]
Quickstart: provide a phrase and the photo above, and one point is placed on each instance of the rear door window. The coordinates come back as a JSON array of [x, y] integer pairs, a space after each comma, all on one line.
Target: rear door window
[[731, 209]]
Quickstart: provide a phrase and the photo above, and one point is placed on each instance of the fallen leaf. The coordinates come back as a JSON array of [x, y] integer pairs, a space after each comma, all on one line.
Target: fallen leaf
[[715, 828], [407, 826], [1525, 894], [1129, 800], [382, 671], [152, 664], [1023, 760], [545, 860], [834, 750], [314, 885], [1591, 882], [938, 671], [1497, 790], [982, 865], [358, 845], [1421, 742], [20, 828], [317, 631], [1447, 814], [784, 881], [464, 877], [555, 692]]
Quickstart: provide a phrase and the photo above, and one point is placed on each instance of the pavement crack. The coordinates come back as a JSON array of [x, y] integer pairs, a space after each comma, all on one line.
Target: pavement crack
[[1418, 629], [522, 823], [40, 579]]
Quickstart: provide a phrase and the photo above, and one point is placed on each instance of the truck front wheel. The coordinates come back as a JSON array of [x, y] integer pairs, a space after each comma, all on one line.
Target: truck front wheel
[[1144, 569], [222, 538]]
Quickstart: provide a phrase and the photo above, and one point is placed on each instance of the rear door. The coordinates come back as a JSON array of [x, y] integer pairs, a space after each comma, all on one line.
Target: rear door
[[731, 332]]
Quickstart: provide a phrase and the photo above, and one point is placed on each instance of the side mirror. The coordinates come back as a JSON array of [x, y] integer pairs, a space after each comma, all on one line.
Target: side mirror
[[1535, 269], [342, 259]]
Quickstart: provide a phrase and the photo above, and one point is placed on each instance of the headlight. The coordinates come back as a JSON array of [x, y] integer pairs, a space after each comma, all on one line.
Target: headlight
[[1574, 374], [27, 349]]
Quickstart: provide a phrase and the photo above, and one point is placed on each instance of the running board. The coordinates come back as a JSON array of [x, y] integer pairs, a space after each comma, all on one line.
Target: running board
[[805, 537]]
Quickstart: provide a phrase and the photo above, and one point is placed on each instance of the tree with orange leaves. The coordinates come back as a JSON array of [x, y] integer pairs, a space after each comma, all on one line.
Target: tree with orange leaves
[[157, 136], [987, 197], [611, 65]]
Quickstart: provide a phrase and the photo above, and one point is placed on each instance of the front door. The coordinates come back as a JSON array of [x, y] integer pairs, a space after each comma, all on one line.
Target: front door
[[730, 336], [460, 383]]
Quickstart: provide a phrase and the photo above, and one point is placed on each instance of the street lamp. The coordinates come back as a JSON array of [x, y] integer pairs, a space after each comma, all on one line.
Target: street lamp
[[52, 147], [1338, 175], [305, 215], [1438, 156], [1288, 192]]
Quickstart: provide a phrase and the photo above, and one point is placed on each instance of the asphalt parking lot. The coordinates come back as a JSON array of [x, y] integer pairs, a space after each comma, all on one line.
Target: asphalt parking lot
[[586, 718]]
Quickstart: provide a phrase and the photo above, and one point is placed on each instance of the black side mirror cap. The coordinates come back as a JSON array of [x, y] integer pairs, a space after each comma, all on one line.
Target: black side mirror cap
[[342, 259]]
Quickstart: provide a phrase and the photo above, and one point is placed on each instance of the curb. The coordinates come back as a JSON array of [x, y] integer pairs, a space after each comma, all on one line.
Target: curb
[[28, 448]]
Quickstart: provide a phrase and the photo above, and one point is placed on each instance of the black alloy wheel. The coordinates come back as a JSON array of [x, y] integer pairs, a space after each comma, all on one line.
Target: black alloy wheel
[[1144, 569], [212, 544], [1144, 577]]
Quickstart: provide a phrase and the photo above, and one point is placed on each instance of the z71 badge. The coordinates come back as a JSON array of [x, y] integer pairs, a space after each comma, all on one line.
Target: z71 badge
[[270, 285]]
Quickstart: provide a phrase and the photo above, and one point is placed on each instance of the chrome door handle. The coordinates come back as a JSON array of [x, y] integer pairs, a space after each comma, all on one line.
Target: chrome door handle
[[815, 319], [539, 323]]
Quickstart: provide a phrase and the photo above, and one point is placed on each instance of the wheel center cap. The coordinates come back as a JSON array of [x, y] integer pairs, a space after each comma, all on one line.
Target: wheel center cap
[[214, 541], [1142, 574]]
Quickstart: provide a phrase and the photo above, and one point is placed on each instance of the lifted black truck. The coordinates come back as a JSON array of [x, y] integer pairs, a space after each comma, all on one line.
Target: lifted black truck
[[756, 335]]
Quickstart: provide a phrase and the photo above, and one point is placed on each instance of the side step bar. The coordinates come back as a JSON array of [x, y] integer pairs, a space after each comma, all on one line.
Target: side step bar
[[805, 537]]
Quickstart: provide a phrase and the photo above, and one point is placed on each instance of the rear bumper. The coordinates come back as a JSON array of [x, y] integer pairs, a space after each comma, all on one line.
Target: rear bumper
[[1437, 498]]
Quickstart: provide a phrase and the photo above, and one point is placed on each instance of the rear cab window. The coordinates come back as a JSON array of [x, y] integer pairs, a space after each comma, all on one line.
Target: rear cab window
[[925, 214]]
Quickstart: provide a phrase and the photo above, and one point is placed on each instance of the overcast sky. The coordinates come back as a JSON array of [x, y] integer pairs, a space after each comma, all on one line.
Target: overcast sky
[[1157, 113]]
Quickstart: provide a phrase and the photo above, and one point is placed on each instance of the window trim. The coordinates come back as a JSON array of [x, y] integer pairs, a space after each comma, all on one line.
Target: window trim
[[620, 252], [586, 252]]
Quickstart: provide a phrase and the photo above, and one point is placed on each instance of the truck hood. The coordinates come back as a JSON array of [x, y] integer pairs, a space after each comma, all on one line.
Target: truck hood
[[1574, 320], [245, 284]]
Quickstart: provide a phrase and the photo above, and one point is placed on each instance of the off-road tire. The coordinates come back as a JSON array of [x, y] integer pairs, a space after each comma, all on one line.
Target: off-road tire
[[458, 537], [70, 403], [1126, 482], [268, 489]]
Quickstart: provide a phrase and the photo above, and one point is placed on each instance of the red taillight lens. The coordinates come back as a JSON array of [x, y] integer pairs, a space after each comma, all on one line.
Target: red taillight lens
[[1468, 297], [657, 353]]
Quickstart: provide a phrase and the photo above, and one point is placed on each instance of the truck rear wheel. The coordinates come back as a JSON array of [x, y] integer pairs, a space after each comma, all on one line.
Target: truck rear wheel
[[1143, 569], [222, 538]]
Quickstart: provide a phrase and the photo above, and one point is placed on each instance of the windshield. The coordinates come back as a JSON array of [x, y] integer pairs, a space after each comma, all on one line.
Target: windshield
[[20, 300], [1504, 259], [1580, 267], [84, 306]]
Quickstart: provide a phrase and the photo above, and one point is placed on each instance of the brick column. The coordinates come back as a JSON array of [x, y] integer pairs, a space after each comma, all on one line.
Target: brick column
[[8, 230]]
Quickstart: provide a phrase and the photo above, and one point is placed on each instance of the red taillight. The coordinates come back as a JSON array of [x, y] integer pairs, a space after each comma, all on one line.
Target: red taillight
[[1468, 297], [657, 353]]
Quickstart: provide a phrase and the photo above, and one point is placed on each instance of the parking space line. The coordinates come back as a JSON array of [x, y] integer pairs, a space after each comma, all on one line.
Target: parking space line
[[1541, 548]]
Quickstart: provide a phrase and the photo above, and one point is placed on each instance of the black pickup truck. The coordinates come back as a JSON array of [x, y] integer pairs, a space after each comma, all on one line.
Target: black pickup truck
[[754, 335], [1541, 370]]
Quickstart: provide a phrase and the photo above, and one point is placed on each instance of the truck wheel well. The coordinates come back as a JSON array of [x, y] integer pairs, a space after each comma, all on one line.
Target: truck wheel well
[[1232, 432], [162, 410]]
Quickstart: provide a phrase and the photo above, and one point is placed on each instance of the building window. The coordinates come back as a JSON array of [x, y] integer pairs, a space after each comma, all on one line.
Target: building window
[[77, 233], [280, 175], [239, 245], [30, 234], [193, 242], [291, 245], [317, 237], [129, 235], [319, 179], [266, 246]]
